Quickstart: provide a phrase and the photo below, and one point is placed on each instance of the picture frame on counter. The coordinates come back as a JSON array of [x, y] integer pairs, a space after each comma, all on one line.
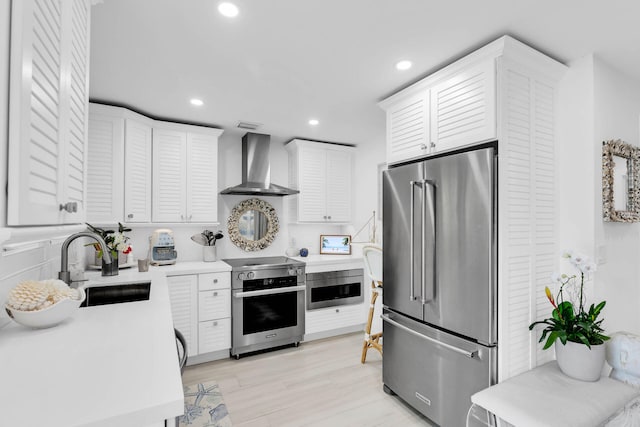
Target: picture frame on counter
[[335, 244]]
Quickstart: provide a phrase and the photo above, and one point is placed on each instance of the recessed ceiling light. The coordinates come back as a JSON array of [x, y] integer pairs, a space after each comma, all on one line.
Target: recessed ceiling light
[[403, 65], [229, 10], [197, 102], [313, 122]]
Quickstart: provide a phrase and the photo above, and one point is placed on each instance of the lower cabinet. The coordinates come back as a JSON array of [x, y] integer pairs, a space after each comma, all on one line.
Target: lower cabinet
[[201, 310], [334, 320]]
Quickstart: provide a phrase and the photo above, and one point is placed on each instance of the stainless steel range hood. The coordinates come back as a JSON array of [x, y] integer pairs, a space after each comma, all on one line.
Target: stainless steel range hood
[[256, 170]]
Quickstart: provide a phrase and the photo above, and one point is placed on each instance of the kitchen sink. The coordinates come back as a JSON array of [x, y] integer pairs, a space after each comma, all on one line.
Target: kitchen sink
[[116, 294]]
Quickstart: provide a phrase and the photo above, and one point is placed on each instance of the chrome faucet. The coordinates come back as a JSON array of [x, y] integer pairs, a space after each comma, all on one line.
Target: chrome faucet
[[64, 274]]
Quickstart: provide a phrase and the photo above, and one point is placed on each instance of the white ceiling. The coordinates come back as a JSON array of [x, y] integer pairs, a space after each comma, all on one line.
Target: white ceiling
[[282, 62]]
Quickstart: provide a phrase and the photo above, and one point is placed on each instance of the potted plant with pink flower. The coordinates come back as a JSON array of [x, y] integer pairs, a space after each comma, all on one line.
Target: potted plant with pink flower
[[574, 329]]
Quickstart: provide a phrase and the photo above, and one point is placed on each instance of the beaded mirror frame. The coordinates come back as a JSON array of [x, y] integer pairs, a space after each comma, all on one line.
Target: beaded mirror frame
[[610, 150], [233, 225]]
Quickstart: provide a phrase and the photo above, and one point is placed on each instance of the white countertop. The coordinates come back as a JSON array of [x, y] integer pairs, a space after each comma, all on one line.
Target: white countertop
[[111, 365], [320, 263]]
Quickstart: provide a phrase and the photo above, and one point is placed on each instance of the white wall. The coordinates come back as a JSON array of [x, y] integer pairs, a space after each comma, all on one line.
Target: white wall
[[617, 114], [598, 103]]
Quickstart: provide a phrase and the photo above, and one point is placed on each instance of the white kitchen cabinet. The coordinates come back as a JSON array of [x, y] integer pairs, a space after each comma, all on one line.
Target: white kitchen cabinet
[[105, 180], [323, 175], [442, 113], [48, 114], [137, 172], [201, 309], [334, 318], [183, 293], [185, 174], [408, 127], [119, 166], [463, 107], [505, 91]]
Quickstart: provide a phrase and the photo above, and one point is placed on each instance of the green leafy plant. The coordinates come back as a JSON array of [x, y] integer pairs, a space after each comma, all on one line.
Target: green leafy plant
[[569, 320], [116, 241]]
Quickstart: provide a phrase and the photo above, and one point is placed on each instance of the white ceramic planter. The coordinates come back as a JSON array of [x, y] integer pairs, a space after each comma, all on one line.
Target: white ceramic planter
[[209, 253], [578, 361]]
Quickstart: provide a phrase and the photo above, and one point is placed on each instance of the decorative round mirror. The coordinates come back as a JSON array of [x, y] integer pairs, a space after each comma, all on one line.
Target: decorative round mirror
[[253, 225]]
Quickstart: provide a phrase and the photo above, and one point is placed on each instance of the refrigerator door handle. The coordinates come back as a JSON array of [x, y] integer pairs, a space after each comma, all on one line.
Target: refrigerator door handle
[[469, 354], [412, 296], [428, 291]]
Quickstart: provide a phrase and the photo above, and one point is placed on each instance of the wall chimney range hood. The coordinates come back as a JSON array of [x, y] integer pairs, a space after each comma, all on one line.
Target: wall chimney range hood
[[256, 170]]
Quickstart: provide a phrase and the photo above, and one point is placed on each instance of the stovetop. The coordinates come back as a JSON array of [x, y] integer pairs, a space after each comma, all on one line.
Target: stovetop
[[259, 263]]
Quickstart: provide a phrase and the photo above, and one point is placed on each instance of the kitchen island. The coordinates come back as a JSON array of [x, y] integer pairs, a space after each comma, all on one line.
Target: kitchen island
[[110, 365]]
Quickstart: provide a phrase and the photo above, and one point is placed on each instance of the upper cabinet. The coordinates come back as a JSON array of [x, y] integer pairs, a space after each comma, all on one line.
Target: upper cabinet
[[323, 175], [119, 162], [185, 173], [463, 107], [48, 114], [454, 107], [142, 170]]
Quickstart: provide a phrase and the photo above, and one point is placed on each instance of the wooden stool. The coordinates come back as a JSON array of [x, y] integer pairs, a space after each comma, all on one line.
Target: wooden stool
[[373, 262]]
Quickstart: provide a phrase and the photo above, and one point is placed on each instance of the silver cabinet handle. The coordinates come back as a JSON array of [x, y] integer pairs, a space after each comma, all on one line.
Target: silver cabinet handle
[[70, 207], [182, 217], [329, 216], [215, 280], [423, 146], [190, 216], [433, 144], [270, 291], [130, 216], [215, 323], [215, 294], [337, 310], [469, 354]]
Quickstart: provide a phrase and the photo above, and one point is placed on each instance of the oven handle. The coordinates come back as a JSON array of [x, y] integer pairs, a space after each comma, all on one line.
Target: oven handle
[[269, 291]]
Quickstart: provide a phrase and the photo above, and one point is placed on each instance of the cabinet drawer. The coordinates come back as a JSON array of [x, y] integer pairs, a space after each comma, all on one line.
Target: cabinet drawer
[[214, 335], [214, 280], [327, 319], [214, 304]]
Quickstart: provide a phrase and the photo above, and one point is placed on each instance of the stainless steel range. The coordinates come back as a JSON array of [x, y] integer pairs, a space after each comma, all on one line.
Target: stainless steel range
[[267, 303]]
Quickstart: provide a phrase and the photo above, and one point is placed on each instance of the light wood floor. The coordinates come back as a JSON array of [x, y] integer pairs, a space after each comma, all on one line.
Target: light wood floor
[[320, 383]]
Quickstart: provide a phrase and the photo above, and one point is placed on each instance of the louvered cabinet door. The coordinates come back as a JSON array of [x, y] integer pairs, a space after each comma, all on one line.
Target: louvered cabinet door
[[202, 178], [105, 171], [183, 294], [463, 107], [137, 160], [75, 64], [339, 171], [408, 128], [47, 111], [169, 176], [312, 200], [35, 153]]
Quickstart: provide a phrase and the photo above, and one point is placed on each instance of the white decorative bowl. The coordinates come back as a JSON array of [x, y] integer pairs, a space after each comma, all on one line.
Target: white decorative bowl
[[49, 316]]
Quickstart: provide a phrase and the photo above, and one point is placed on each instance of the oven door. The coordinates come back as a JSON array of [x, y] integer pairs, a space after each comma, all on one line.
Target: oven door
[[267, 318]]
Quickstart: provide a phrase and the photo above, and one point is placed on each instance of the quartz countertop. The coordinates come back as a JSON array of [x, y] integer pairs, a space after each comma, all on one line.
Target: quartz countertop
[[319, 263], [110, 365]]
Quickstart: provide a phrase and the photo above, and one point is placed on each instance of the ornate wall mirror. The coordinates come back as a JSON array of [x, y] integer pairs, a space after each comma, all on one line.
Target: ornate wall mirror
[[620, 181], [253, 225]]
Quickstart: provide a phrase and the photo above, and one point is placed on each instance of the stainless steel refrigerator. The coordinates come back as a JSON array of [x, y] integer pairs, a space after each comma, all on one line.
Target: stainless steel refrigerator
[[440, 287]]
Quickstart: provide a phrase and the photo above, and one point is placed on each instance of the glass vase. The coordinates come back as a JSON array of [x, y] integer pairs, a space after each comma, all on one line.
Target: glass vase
[[111, 269]]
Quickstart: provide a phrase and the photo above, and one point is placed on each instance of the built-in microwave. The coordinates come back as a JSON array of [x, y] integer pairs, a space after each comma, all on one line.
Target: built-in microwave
[[331, 288]]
